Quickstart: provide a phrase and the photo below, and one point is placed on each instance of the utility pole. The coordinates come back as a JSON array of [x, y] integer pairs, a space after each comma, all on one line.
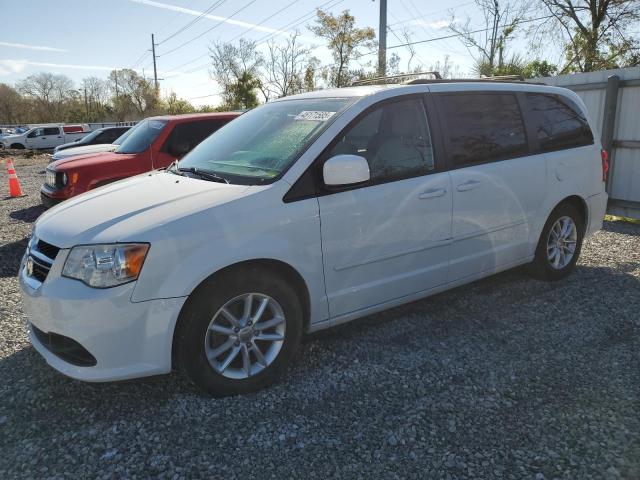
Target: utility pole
[[86, 105], [115, 106], [382, 41], [155, 72]]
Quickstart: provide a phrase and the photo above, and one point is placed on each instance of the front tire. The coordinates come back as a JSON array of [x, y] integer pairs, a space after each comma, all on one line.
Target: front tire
[[559, 245], [239, 331], [17, 146]]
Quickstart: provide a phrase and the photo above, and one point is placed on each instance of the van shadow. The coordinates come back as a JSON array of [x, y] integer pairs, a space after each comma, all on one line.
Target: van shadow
[[29, 214], [45, 396], [11, 254]]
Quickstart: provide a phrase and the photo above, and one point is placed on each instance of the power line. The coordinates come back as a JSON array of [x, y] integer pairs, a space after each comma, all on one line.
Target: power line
[[431, 13], [546, 17], [193, 21], [301, 19], [263, 21], [267, 37], [208, 30]]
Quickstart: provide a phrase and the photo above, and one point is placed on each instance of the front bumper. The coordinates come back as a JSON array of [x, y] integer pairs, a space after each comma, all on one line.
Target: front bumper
[[127, 339], [50, 197]]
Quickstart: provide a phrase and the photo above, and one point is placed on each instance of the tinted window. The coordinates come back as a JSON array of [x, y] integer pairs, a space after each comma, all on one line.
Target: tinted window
[[142, 135], [191, 134], [52, 131], [559, 122], [394, 138], [483, 127]]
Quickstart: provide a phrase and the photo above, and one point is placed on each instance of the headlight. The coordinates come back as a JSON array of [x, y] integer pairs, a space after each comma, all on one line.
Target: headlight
[[103, 266]]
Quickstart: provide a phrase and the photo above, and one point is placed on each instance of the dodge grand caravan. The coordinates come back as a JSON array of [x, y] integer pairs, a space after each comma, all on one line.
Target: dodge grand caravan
[[153, 143], [307, 212]]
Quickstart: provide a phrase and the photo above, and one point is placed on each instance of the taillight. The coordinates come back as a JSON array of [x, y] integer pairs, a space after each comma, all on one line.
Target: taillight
[[605, 164]]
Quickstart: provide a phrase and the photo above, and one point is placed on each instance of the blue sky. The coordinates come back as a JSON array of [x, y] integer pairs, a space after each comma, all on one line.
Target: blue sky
[[89, 37]]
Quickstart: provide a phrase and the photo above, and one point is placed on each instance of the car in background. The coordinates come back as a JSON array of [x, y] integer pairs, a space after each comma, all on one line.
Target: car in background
[[90, 149], [43, 137], [153, 143], [104, 135]]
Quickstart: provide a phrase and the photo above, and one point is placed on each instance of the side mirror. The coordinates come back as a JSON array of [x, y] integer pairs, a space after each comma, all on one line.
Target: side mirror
[[345, 170]]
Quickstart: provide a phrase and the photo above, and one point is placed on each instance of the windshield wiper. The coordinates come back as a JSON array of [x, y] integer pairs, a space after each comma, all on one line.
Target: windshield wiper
[[204, 174]]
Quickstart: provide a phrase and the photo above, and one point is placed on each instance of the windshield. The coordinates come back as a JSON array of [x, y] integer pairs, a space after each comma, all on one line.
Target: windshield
[[263, 143], [123, 137], [90, 136], [141, 136]]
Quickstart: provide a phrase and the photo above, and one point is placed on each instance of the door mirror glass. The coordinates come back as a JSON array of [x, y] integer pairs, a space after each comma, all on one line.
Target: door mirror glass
[[345, 170]]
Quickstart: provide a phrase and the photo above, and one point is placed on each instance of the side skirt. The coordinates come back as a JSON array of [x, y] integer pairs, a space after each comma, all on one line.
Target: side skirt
[[347, 317]]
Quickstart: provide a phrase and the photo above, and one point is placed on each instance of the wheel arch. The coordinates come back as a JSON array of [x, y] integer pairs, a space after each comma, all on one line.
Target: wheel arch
[[17, 146], [289, 273], [579, 204]]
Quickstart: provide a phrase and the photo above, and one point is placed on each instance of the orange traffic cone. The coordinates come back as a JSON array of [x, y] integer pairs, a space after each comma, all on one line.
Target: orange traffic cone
[[14, 184]]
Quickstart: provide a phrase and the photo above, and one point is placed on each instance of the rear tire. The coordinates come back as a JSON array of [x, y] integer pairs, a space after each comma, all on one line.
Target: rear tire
[[559, 245], [214, 326]]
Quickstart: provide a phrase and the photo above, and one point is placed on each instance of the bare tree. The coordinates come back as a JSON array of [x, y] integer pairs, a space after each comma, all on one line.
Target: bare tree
[[488, 45], [96, 94], [598, 33], [236, 69], [48, 92], [284, 68], [345, 41], [135, 95]]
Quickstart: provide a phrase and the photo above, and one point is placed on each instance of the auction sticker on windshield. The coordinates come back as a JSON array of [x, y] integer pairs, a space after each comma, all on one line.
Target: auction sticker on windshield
[[314, 115]]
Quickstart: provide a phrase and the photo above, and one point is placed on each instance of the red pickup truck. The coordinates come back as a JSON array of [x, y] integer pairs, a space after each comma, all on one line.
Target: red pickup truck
[[153, 143]]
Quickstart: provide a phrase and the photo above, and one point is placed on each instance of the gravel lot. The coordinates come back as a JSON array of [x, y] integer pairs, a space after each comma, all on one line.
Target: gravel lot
[[506, 378]]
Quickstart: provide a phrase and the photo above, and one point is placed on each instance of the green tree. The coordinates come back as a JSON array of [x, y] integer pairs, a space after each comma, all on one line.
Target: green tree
[[598, 34], [539, 68], [344, 40], [236, 69], [176, 106], [241, 94]]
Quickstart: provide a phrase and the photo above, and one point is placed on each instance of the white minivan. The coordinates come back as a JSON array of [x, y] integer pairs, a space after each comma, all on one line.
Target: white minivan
[[307, 212]]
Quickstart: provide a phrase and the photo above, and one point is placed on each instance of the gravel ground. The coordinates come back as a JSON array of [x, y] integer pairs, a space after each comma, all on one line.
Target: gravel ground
[[505, 378]]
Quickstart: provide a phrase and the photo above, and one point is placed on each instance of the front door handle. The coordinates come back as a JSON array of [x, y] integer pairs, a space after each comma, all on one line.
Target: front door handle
[[433, 193], [470, 185]]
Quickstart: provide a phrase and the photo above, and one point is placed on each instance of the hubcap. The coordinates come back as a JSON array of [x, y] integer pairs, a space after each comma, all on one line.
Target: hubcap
[[245, 335], [561, 245]]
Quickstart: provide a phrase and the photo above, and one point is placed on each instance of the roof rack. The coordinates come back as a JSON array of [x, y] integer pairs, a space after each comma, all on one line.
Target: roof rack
[[497, 79], [392, 79]]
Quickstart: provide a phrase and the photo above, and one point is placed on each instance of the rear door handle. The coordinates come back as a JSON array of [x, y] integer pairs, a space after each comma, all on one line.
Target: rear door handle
[[433, 193], [470, 185]]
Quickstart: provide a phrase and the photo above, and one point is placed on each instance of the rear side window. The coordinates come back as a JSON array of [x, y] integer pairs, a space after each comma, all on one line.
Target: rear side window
[[483, 127], [394, 138], [52, 131], [559, 122], [191, 133]]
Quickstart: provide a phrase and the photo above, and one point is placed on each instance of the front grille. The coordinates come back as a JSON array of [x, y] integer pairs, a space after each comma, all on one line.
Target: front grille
[[48, 250], [65, 348], [42, 256], [40, 269]]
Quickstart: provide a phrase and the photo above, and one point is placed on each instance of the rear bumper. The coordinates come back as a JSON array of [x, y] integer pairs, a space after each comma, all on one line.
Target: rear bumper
[[597, 210]]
